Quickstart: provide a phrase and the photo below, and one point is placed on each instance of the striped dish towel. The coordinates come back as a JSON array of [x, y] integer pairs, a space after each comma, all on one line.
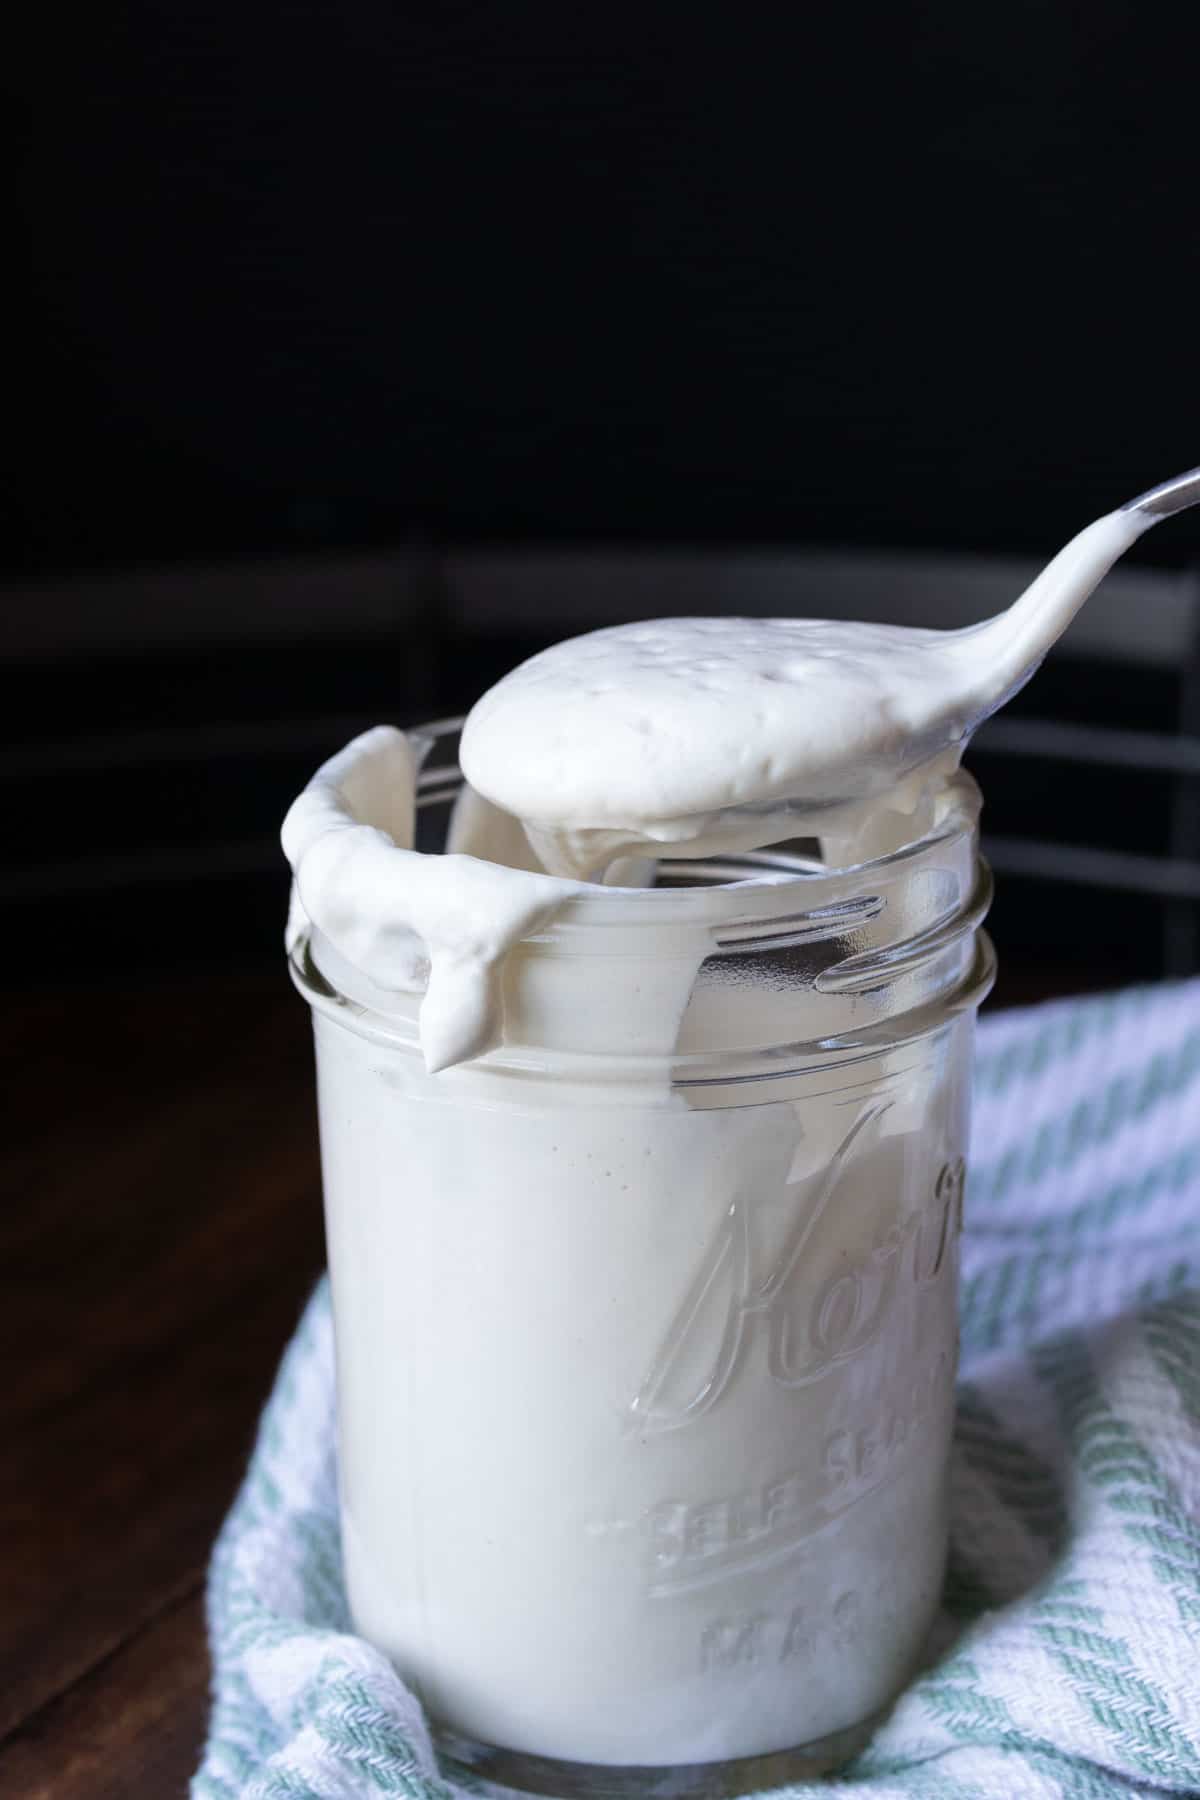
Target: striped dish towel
[[1066, 1661]]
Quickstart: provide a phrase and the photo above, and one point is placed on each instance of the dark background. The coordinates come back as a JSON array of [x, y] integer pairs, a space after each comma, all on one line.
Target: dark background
[[313, 300], [879, 274]]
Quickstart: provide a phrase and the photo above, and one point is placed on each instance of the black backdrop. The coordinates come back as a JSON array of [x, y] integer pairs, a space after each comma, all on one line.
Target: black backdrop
[[344, 273]]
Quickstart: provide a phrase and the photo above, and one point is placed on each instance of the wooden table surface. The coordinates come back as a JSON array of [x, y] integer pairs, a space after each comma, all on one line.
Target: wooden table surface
[[160, 1234]]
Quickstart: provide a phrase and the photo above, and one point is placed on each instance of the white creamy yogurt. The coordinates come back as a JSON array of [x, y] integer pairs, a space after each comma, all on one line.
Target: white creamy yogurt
[[438, 925], [707, 735], [582, 1518], [646, 1321], [711, 734]]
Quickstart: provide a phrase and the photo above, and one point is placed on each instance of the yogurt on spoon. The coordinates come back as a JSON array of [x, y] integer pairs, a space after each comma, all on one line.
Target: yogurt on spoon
[[726, 734], [707, 735]]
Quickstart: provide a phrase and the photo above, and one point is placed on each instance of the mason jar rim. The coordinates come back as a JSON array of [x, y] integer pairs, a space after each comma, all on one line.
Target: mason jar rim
[[890, 950]]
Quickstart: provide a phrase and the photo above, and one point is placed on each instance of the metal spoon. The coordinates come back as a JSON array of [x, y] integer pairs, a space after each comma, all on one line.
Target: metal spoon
[[997, 657], [1168, 497]]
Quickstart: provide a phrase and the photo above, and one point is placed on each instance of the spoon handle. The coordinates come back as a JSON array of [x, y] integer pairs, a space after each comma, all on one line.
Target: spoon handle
[[1168, 497], [1019, 637]]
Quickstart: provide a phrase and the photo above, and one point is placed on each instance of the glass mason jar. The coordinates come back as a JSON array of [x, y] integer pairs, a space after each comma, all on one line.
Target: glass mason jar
[[646, 1319]]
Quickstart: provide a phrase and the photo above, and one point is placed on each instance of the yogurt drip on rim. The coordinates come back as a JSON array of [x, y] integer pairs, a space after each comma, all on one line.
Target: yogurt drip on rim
[[708, 735]]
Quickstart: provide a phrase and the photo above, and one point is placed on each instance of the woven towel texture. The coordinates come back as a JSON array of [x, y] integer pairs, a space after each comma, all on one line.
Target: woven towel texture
[[1066, 1661]]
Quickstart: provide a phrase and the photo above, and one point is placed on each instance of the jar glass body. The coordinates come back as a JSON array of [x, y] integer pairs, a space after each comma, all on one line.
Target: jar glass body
[[646, 1320]]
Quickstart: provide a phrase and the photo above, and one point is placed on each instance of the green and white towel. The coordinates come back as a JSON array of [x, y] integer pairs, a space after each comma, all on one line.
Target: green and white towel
[[1067, 1657]]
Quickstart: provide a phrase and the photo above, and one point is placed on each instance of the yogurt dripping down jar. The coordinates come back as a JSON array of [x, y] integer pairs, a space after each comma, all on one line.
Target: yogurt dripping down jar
[[646, 1317]]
